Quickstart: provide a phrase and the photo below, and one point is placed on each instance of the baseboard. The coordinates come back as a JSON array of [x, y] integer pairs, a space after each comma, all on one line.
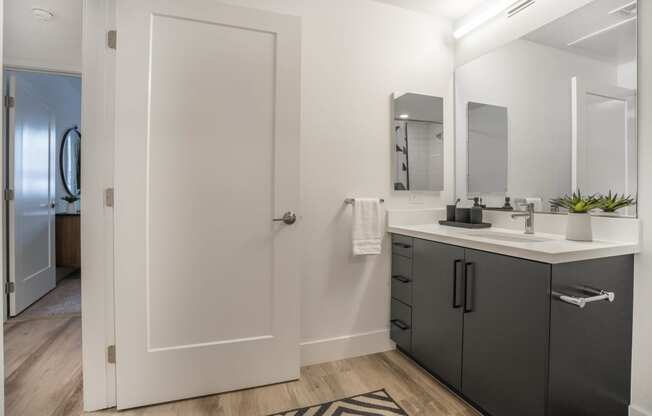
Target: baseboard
[[638, 411], [348, 346]]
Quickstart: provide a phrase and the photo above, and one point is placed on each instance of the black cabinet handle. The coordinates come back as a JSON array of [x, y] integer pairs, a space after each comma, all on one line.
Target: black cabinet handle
[[400, 324], [468, 289], [401, 279], [402, 245], [456, 265]]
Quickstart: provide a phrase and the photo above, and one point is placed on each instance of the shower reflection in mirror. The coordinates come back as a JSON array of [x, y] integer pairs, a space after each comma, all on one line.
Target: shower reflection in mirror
[[418, 143]]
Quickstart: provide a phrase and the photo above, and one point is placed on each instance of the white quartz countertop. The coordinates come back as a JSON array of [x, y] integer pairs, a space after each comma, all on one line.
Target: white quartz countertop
[[542, 247]]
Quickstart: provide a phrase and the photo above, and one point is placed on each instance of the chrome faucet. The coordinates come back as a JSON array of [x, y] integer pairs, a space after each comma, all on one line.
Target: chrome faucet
[[529, 218]]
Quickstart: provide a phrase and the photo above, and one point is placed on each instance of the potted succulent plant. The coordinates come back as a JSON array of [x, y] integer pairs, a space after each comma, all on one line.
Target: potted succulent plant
[[614, 202], [70, 199], [578, 227]]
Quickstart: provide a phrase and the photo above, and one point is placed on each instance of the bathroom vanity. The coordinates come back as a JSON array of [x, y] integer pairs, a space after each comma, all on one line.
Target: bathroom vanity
[[516, 325]]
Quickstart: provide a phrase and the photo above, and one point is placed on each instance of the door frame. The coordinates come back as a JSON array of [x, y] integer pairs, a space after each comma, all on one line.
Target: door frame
[[98, 126]]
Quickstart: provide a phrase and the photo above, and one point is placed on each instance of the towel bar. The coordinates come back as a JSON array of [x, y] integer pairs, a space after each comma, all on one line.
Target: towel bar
[[351, 201]]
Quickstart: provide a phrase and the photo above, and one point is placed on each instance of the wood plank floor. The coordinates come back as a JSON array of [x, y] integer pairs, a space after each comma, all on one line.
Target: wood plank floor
[[43, 376], [43, 373]]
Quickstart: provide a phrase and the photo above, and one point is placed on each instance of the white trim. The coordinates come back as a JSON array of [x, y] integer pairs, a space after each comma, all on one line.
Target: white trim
[[98, 130], [638, 411], [3, 216], [42, 67], [347, 346]]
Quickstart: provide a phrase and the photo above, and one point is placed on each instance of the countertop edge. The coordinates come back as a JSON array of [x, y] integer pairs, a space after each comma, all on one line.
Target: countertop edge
[[619, 248]]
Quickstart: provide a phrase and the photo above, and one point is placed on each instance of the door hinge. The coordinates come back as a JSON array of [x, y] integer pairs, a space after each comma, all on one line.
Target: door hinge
[[110, 354], [108, 197], [112, 39], [9, 195], [10, 102], [10, 287]]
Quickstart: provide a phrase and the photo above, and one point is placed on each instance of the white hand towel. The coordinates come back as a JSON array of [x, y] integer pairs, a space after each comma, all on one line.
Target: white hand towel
[[367, 232]]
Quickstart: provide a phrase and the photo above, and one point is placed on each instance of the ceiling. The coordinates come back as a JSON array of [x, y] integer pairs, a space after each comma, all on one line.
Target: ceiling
[[53, 45], [596, 30], [450, 9], [419, 107]]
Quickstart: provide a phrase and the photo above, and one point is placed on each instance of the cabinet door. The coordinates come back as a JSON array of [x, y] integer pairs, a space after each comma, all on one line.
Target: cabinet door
[[506, 324], [591, 347], [436, 314]]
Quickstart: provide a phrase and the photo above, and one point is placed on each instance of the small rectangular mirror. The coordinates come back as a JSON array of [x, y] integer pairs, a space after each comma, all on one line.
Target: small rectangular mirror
[[418, 143], [487, 149]]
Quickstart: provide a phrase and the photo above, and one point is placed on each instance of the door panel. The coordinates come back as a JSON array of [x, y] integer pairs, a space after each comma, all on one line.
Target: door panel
[[505, 361], [207, 149], [31, 143], [591, 348], [436, 323], [604, 138]]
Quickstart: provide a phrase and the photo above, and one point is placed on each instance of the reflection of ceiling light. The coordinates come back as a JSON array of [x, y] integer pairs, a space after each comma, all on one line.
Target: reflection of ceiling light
[[474, 20], [42, 14], [404, 116], [625, 11]]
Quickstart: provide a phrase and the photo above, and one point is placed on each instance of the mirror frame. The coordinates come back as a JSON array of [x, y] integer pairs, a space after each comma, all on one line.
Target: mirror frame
[[64, 140]]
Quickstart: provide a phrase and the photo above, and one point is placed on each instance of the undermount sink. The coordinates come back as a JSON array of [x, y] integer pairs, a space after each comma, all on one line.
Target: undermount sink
[[496, 235]]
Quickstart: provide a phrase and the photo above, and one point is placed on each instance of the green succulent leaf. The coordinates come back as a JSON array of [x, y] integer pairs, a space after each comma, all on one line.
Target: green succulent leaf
[[578, 203], [613, 202]]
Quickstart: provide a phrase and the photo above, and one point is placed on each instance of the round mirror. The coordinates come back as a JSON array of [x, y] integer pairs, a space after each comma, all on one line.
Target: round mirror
[[70, 161]]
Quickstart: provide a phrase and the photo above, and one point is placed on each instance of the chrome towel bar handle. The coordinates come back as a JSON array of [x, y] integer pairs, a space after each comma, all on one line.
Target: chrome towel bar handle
[[582, 302]]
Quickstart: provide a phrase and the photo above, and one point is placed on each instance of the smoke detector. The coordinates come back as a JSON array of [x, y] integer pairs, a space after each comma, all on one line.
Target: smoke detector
[[43, 15]]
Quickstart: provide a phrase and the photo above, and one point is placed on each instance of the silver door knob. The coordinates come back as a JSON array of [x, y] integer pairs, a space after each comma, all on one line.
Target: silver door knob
[[289, 218]]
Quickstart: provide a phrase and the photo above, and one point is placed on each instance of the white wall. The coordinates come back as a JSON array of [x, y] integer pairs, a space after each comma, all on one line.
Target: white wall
[[63, 94], [355, 54], [533, 82], [642, 365]]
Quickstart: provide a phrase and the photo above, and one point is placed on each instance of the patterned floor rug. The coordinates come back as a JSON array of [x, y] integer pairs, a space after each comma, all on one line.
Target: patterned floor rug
[[376, 403]]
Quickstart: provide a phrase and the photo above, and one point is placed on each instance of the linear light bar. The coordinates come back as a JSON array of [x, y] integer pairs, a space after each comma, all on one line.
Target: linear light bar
[[488, 13]]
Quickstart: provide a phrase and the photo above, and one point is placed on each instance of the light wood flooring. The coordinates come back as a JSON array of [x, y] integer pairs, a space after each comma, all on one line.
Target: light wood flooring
[[412, 388], [43, 370]]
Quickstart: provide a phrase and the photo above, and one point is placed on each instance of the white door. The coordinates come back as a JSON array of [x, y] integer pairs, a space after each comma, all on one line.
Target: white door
[[604, 138], [31, 157], [208, 118]]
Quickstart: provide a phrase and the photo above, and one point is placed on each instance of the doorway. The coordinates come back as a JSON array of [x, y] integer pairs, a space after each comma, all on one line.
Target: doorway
[[42, 87], [42, 144]]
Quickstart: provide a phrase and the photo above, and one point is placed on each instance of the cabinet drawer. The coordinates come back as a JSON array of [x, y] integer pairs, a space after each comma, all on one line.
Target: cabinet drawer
[[401, 325], [402, 279], [402, 245]]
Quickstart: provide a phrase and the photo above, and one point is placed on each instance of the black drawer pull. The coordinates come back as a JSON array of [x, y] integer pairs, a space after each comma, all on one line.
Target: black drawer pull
[[401, 279], [400, 324], [402, 245], [469, 276], [456, 265]]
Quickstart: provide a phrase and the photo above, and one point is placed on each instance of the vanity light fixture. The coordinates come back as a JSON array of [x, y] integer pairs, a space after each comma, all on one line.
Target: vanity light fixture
[[496, 8], [42, 14], [404, 116]]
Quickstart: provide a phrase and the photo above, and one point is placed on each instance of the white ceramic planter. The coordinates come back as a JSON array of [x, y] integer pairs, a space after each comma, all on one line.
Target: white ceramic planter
[[579, 227], [71, 209]]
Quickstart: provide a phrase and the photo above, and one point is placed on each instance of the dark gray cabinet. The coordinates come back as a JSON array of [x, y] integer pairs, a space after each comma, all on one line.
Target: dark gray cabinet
[[437, 309], [494, 328], [505, 364], [590, 348]]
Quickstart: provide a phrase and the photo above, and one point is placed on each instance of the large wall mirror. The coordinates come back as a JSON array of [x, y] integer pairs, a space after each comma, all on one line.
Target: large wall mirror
[[418, 145], [552, 112]]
